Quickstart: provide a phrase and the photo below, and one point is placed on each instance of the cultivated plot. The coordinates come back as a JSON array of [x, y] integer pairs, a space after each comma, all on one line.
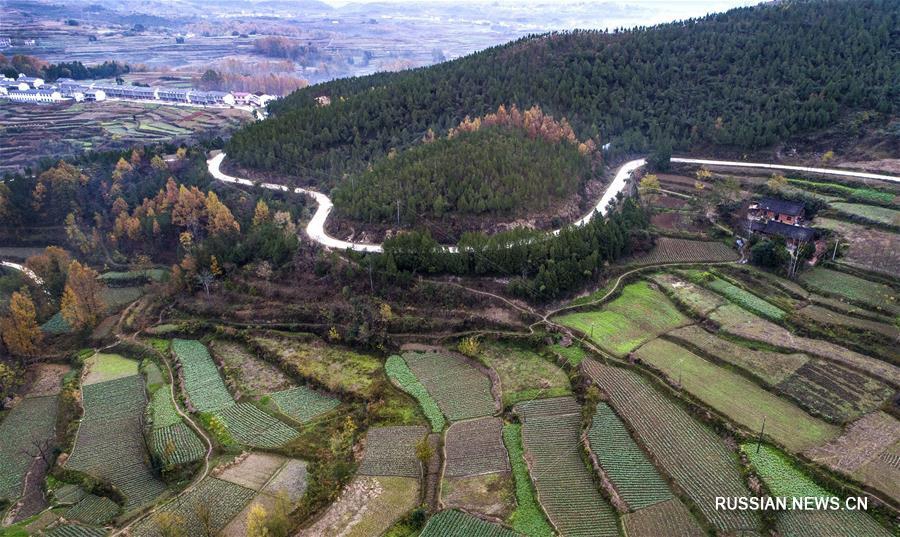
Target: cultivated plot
[[475, 447], [692, 455], [637, 316], [452, 523], [29, 425], [565, 487], [391, 451], [303, 404], [524, 374], [460, 389], [739, 399], [218, 499]]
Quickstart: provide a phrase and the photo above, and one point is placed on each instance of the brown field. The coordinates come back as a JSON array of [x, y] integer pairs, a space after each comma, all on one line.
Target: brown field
[[669, 250], [675, 221], [670, 517], [491, 495], [254, 375], [699, 301], [252, 471], [826, 316], [47, 379], [869, 248], [367, 506]]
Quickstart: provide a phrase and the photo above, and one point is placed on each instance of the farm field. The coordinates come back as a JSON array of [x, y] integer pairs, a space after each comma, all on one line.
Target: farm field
[[639, 314], [303, 404], [102, 367], [524, 374], [864, 193], [134, 276], [882, 215], [670, 250], [565, 488], [176, 444], [460, 389], [251, 470], [739, 399], [869, 248], [391, 451], [475, 447], [75, 530], [490, 495], [833, 392], [223, 499], [205, 388], [691, 454], [32, 421], [852, 288], [251, 426], [253, 375], [769, 367], [110, 442], [783, 479], [368, 506], [745, 299], [398, 371], [335, 368], [670, 517], [697, 300], [92, 509], [744, 324], [866, 451], [826, 316], [452, 523], [632, 474], [528, 517]]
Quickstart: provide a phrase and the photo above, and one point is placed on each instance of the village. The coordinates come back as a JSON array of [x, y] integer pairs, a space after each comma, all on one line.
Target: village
[[34, 90]]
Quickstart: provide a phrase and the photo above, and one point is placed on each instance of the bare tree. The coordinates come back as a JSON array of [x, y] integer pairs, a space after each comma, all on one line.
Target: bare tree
[[206, 278]]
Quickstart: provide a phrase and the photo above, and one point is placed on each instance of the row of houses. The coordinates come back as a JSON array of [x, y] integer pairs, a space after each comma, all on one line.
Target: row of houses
[[30, 89], [776, 217]]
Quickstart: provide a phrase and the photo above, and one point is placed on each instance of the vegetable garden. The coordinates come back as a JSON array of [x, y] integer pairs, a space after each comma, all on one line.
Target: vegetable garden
[[303, 404], [565, 487], [452, 523], [392, 451], [31, 422], [697, 459], [475, 447], [223, 499], [399, 373], [460, 390]]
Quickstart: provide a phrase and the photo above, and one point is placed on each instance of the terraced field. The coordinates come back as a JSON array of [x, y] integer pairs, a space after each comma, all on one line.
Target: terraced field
[[742, 323], [746, 299], [475, 447], [670, 517], [254, 376], [223, 499], [633, 475], [528, 517], [869, 248], [669, 250], [826, 316], [739, 399], [524, 374], [769, 367], [94, 510], [205, 388], [452, 523], [697, 459], [337, 369], [460, 390], [367, 506], [391, 451], [833, 392], [31, 422], [868, 450], [303, 404], [171, 440], [252, 427], [110, 441], [783, 479], [697, 300], [565, 488], [75, 530], [398, 371], [852, 288], [637, 316], [875, 213]]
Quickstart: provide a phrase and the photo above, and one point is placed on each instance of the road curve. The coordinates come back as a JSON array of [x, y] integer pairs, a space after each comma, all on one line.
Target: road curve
[[25, 270], [316, 227]]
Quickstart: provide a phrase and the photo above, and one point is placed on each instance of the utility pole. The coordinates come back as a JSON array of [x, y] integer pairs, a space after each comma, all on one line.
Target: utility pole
[[761, 431], [398, 213], [834, 253]]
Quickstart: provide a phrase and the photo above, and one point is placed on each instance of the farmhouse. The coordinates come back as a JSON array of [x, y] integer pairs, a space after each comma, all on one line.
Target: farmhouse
[[12, 84], [784, 211], [34, 82]]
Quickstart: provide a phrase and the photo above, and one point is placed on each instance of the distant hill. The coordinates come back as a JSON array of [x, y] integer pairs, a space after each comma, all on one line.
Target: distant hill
[[744, 79]]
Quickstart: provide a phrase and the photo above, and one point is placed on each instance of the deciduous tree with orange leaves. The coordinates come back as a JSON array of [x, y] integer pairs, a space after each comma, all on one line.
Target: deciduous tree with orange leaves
[[19, 328], [82, 300]]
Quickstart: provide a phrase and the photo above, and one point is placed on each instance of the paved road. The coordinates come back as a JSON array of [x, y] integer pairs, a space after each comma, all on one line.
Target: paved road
[[316, 227], [28, 272]]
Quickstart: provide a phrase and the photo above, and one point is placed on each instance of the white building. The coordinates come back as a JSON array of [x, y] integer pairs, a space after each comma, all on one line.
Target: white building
[[37, 96], [34, 82]]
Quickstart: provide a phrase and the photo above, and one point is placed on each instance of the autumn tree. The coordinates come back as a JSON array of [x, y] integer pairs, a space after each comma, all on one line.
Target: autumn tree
[[169, 524], [256, 521], [190, 209], [777, 182], [649, 187], [220, 219], [82, 300], [261, 213], [157, 163], [51, 266], [19, 329]]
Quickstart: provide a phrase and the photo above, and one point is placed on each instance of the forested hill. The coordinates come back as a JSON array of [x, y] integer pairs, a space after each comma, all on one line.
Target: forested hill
[[506, 163], [745, 78]]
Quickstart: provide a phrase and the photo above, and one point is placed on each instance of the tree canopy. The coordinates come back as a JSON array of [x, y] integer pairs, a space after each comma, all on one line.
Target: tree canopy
[[746, 78]]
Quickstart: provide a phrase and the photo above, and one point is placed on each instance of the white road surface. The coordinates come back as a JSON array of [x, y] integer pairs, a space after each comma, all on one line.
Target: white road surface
[[316, 227], [21, 268]]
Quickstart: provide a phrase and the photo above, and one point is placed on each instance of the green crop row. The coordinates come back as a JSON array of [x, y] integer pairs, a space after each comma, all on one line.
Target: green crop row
[[399, 372]]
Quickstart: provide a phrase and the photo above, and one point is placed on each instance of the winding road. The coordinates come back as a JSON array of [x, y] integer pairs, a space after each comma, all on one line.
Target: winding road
[[316, 227]]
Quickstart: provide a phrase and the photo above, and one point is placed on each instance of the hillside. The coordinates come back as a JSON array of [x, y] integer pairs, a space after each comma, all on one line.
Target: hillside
[[497, 170], [743, 79]]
